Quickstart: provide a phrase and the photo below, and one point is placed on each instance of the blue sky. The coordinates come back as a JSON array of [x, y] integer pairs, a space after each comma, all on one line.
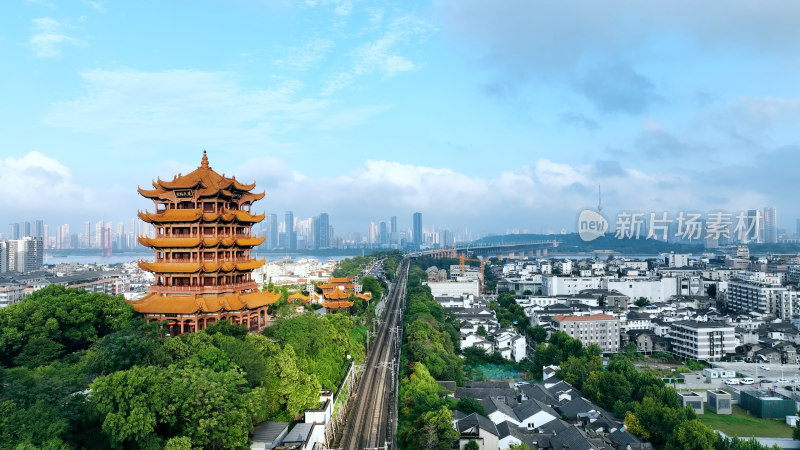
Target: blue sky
[[487, 115]]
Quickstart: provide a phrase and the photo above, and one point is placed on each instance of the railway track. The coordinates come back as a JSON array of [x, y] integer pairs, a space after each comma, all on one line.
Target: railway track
[[369, 425]]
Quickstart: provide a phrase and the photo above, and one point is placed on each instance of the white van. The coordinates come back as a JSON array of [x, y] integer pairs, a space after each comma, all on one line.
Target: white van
[[748, 381]]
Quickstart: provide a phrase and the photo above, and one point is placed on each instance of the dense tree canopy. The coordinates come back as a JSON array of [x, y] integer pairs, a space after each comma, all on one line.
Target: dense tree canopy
[[82, 370]]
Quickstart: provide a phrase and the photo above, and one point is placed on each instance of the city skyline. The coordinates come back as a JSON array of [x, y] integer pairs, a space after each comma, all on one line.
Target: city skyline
[[474, 114]]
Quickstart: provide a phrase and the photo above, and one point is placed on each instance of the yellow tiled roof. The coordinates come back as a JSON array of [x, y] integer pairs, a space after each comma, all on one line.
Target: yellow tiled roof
[[189, 304], [170, 267]]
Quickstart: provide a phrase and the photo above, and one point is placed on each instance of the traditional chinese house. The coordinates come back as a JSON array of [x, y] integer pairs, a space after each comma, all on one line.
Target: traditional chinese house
[[336, 293], [203, 263]]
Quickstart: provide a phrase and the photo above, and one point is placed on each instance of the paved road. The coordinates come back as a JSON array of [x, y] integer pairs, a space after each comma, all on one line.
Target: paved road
[[369, 424]]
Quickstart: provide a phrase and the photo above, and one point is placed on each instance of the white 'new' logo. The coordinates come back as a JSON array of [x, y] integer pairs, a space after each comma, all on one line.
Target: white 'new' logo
[[591, 225]]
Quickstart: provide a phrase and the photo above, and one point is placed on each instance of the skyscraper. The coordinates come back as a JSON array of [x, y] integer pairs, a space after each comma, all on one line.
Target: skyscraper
[[291, 235], [393, 224], [417, 231], [13, 231], [271, 232], [322, 231], [383, 233], [38, 229], [770, 225]]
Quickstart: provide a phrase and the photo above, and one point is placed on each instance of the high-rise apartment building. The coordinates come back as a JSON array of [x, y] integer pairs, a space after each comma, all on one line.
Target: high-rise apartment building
[[13, 231], [393, 224], [3, 256], [291, 235], [271, 232], [97, 242], [770, 225], [322, 238], [25, 254], [383, 233], [417, 230], [37, 229]]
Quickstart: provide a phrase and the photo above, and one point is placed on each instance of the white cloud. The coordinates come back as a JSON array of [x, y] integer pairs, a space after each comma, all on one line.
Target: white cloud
[[547, 194], [150, 110], [304, 57], [48, 37], [381, 56], [36, 183], [99, 6]]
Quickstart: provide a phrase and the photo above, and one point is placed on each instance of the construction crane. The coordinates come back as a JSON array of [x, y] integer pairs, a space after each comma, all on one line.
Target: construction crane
[[463, 258]]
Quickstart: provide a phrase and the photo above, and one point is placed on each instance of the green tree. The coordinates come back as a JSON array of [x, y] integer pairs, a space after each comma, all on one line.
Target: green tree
[[482, 332], [694, 435], [179, 443], [538, 334], [289, 389], [434, 430], [137, 343], [472, 445], [634, 427], [641, 302], [520, 446], [133, 403], [55, 321], [211, 408], [469, 405]]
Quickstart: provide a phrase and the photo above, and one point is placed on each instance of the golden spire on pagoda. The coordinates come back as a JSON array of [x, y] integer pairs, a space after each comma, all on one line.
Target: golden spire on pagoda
[[204, 162]]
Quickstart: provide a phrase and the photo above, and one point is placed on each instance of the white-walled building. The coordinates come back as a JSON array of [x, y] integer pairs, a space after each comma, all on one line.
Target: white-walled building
[[454, 288], [761, 292], [554, 285], [707, 341], [655, 290], [600, 329]]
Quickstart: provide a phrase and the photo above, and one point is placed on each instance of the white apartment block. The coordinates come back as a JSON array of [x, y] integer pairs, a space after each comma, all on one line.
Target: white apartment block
[[600, 329], [707, 341], [762, 294], [655, 290], [553, 285], [454, 288], [10, 294], [676, 260]]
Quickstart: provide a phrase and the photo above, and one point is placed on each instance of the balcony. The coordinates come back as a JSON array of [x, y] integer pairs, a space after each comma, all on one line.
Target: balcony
[[231, 287]]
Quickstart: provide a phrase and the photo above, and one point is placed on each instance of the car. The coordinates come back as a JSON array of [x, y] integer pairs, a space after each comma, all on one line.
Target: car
[[747, 381], [761, 376], [763, 367], [767, 381], [731, 381], [792, 388], [782, 380]]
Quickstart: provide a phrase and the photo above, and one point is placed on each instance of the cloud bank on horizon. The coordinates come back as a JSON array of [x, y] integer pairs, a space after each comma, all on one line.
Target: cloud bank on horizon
[[481, 115]]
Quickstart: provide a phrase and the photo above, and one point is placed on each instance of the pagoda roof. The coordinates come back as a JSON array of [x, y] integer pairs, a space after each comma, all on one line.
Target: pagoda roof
[[195, 214], [207, 267], [340, 280], [299, 296], [169, 242], [188, 304], [365, 296], [204, 181], [170, 267], [339, 304], [337, 294]]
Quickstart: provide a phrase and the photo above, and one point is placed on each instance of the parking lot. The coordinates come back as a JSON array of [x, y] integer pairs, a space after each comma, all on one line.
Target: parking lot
[[773, 372]]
